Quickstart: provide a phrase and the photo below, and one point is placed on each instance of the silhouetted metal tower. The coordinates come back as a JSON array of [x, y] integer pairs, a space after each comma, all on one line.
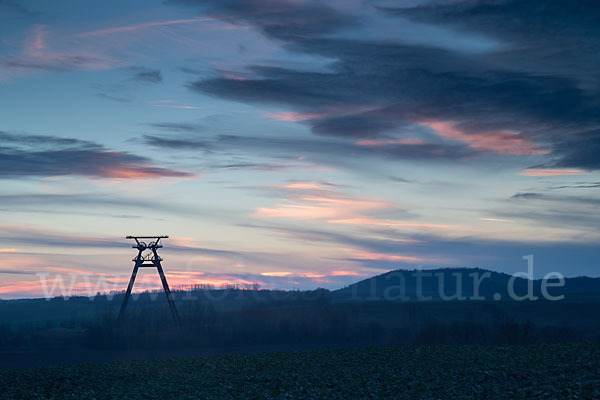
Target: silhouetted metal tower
[[151, 259]]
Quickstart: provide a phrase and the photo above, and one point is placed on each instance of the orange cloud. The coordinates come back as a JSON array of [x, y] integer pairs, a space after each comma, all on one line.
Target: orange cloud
[[551, 172], [8, 250], [502, 142], [138, 172], [21, 288]]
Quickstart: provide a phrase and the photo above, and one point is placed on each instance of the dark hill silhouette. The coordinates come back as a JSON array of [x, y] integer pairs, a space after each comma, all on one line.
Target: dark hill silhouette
[[442, 284]]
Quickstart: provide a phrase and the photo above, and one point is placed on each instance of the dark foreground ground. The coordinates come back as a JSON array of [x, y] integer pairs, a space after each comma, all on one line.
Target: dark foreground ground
[[469, 372]]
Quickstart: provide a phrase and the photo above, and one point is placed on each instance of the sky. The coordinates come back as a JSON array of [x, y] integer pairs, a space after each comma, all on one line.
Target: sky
[[296, 144]]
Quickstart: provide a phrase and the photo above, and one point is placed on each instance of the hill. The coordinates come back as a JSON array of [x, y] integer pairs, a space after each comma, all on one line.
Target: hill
[[466, 284]]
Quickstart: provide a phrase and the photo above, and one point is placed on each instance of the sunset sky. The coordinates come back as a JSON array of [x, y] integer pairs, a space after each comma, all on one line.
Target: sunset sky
[[297, 144]]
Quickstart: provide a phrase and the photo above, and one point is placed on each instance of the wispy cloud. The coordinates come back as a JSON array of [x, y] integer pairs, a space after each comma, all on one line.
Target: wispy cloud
[[35, 155], [386, 142], [373, 256], [391, 223], [146, 25], [8, 250], [551, 172], [39, 55], [19, 8], [495, 219], [313, 200], [142, 74], [290, 116], [328, 204]]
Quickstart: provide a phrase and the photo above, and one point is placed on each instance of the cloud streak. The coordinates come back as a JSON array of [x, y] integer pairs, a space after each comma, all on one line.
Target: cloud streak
[[146, 75], [145, 25], [25, 155], [500, 102]]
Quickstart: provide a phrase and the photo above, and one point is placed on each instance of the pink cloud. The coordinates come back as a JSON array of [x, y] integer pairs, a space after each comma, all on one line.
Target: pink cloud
[[21, 289], [297, 211], [16, 260], [502, 142], [38, 43], [319, 207], [551, 172], [305, 186], [183, 241], [316, 201], [293, 116], [311, 275], [351, 203], [345, 273]]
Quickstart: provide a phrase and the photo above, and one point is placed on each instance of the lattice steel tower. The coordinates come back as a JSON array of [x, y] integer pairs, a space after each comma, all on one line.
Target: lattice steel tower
[[150, 259]]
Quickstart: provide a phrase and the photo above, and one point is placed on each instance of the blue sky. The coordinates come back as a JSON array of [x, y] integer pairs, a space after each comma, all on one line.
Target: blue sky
[[297, 144]]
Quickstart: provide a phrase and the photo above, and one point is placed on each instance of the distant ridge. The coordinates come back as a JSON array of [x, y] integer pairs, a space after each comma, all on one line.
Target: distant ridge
[[442, 284]]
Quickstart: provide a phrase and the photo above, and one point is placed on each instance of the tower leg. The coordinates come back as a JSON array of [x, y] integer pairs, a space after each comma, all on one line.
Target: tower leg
[[128, 292], [168, 293]]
